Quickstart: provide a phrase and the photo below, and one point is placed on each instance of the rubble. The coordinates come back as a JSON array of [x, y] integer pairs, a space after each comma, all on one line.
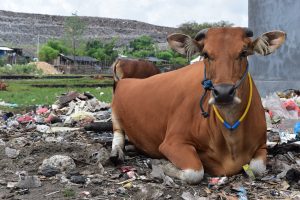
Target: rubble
[[11, 153], [60, 162], [64, 150]]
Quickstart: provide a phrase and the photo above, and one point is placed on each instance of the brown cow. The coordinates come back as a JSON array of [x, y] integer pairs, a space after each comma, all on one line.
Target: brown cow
[[161, 115], [130, 68]]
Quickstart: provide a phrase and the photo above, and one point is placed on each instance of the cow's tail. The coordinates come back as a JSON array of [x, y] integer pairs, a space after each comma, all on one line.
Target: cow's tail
[[115, 75]]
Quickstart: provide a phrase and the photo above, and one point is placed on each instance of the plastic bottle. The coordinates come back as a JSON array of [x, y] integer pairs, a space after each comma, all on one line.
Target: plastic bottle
[[297, 129]]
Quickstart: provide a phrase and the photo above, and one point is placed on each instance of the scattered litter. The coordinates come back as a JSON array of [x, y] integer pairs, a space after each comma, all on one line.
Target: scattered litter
[[212, 181], [74, 127], [241, 192], [41, 110], [297, 129], [285, 137], [248, 171], [13, 105]]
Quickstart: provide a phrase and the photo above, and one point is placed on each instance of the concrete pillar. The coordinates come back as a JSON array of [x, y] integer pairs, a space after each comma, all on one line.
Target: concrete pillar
[[280, 70]]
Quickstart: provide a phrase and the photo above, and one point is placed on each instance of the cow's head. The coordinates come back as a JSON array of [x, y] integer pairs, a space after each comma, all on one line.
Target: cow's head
[[225, 52]]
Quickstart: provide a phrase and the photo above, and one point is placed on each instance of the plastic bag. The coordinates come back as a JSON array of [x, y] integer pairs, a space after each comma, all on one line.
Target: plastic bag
[[274, 104]]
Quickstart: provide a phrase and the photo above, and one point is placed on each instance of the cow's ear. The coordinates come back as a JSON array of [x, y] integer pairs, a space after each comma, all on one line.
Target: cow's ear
[[184, 44], [268, 42]]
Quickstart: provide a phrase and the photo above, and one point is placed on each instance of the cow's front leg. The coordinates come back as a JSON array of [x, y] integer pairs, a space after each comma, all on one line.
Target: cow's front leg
[[184, 157], [258, 162]]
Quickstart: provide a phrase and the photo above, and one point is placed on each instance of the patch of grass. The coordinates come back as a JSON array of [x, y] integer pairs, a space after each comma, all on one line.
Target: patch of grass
[[68, 192], [20, 70], [22, 92]]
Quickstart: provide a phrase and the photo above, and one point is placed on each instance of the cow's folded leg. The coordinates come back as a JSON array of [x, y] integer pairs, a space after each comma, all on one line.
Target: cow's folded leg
[[188, 164], [117, 154], [258, 162]]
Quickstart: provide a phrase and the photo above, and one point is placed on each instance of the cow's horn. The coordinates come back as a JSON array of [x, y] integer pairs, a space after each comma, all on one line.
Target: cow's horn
[[201, 34], [248, 32]]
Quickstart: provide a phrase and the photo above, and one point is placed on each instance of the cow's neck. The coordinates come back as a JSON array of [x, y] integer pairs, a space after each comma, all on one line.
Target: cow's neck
[[232, 113]]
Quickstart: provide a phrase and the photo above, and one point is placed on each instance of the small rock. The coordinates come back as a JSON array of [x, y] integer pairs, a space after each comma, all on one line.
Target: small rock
[[149, 191], [157, 172], [97, 181], [54, 139], [19, 142], [293, 175], [103, 156], [23, 191], [62, 178], [42, 128], [49, 171], [86, 172], [29, 161], [2, 143], [61, 162], [121, 190], [2, 182], [72, 173], [189, 196], [168, 181], [11, 153], [12, 184], [78, 179], [26, 181]]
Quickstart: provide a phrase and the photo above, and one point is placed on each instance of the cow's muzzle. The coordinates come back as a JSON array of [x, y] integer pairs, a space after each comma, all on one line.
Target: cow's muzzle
[[223, 94]]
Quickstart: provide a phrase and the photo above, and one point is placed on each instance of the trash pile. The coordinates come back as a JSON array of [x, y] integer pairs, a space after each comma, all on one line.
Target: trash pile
[[58, 152], [72, 111], [283, 117], [283, 105]]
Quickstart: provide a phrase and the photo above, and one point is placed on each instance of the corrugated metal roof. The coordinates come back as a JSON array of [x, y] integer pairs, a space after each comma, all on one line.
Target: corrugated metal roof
[[5, 49], [80, 58]]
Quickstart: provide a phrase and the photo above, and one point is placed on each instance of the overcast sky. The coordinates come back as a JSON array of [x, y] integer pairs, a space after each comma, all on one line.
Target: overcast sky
[[159, 12]]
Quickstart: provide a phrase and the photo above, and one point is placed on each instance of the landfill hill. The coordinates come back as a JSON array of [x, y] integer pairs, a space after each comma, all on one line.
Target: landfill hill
[[23, 29]]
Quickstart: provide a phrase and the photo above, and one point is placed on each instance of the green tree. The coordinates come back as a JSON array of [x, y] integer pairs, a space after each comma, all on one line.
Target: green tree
[[102, 51], [142, 43], [47, 53], [165, 55], [51, 49], [192, 28], [74, 28], [141, 47], [58, 45]]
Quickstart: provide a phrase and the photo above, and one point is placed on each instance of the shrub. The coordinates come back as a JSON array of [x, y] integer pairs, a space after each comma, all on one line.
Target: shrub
[[29, 69]]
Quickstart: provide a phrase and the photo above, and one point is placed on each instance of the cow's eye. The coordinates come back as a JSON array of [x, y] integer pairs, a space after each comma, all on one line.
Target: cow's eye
[[205, 55], [243, 54]]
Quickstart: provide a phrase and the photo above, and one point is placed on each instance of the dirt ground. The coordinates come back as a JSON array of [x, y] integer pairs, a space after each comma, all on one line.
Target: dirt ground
[[111, 183], [55, 153]]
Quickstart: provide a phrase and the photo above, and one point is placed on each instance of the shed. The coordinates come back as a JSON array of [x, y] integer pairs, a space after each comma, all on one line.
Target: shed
[[79, 60]]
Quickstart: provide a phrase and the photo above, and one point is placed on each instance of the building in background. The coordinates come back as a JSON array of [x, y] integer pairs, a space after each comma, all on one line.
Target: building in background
[[280, 70]]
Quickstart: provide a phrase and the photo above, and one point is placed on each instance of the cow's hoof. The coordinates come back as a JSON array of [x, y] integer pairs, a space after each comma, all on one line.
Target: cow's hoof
[[117, 155], [258, 167], [191, 176]]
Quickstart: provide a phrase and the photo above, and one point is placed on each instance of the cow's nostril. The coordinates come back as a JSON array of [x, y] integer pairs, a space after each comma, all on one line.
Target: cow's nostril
[[232, 91], [216, 93]]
